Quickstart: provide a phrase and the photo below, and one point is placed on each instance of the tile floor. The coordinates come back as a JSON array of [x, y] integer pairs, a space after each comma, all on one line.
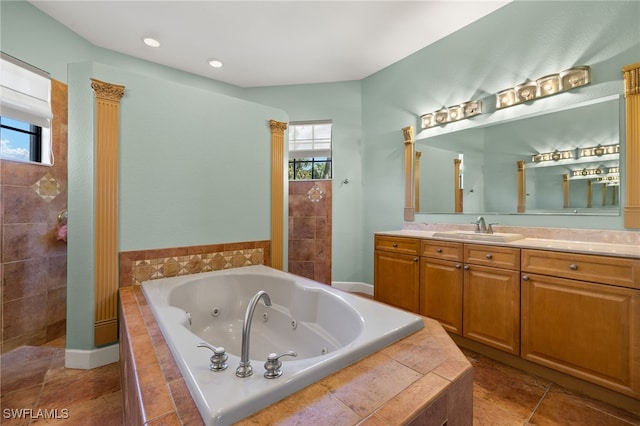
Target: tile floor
[[35, 378]]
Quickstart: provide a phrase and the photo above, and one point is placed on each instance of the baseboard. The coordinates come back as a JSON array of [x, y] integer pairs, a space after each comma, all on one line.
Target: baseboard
[[353, 287], [94, 358]]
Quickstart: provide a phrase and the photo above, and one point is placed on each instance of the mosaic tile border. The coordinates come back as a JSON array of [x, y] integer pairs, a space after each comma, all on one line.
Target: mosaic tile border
[[143, 265]]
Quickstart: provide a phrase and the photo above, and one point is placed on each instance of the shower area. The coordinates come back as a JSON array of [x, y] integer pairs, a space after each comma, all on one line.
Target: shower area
[[33, 259]]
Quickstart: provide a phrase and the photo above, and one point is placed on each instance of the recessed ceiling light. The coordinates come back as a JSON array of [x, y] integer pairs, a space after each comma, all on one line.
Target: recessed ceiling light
[[216, 63], [151, 42]]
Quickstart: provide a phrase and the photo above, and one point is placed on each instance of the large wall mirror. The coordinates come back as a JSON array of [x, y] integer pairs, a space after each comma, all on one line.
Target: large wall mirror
[[563, 161]]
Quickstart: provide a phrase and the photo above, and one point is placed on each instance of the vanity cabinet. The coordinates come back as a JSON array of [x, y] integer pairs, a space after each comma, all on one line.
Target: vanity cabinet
[[397, 272], [581, 316], [491, 303], [441, 280], [574, 313]]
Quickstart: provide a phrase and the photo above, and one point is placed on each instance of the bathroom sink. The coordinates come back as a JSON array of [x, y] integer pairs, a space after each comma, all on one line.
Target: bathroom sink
[[498, 237]]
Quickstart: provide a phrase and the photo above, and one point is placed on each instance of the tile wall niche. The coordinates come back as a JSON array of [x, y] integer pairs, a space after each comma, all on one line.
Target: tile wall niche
[[310, 229], [33, 262], [142, 265]]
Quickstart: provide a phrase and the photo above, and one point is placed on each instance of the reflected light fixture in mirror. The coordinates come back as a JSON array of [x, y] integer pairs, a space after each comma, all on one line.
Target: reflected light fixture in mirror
[[600, 150]]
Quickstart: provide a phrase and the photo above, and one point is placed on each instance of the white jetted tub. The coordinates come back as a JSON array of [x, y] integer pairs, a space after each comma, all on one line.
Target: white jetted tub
[[326, 328]]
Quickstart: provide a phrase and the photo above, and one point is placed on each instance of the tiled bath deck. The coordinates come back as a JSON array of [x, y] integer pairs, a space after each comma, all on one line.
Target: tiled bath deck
[[33, 378]]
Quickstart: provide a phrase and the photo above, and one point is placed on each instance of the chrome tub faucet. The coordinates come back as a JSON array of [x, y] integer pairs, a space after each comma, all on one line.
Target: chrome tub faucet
[[245, 369]]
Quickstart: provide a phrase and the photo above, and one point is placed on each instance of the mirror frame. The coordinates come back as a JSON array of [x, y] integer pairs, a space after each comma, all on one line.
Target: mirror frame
[[631, 207]]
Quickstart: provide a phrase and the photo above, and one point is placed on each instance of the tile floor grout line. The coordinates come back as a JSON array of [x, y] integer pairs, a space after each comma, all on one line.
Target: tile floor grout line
[[546, 391]]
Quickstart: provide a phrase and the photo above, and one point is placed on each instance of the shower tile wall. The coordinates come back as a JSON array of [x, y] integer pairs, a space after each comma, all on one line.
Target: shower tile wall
[[33, 262], [310, 229]]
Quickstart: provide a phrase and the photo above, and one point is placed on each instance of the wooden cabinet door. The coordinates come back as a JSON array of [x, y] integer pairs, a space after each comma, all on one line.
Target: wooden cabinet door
[[395, 280], [590, 331], [492, 307], [441, 292]]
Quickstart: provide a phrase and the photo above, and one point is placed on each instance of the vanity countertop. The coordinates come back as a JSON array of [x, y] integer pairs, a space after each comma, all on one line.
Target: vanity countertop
[[585, 247]]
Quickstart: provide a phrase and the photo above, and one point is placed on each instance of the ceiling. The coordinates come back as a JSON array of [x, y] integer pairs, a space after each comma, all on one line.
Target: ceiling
[[268, 43]]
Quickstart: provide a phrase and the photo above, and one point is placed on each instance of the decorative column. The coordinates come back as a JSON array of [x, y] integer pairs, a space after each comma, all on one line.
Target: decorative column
[[277, 192], [632, 146], [457, 191], [565, 191], [409, 208], [416, 180], [589, 193], [106, 211], [521, 187]]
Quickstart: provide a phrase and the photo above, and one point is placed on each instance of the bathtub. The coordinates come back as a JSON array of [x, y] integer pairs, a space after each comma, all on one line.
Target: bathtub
[[327, 328]]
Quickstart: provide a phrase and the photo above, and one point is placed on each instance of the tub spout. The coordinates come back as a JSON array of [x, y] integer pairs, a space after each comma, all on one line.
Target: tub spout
[[244, 369]]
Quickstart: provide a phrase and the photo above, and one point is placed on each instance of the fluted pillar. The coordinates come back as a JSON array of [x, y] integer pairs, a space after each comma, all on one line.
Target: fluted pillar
[[416, 180], [277, 192], [632, 146], [457, 191], [106, 211], [521, 187], [409, 208]]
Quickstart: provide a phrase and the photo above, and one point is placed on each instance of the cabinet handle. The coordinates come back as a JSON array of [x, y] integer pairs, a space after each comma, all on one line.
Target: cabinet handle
[[458, 266], [395, 245], [439, 250], [466, 267], [488, 255], [415, 259], [573, 267], [525, 278]]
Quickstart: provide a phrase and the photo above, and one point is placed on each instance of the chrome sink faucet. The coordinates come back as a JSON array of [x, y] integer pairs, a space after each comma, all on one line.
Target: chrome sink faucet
[[245, 369], [481, 225]]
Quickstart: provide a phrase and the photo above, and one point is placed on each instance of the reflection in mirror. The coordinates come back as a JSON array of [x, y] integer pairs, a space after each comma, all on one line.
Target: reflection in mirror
[[564, 161]]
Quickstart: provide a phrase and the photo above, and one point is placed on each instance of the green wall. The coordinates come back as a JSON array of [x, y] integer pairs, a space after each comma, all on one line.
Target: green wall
[[522, 40], [172, 197], [339, 102], [194, 158]]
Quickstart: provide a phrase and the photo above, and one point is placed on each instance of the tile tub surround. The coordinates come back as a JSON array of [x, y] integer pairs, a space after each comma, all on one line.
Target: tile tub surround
[[142, 265], [421, 376]]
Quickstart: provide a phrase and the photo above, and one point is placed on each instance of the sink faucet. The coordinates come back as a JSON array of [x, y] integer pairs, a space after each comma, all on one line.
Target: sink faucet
[[244, 369], [481, 225]]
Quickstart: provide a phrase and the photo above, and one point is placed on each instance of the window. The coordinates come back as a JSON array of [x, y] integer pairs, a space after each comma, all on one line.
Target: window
[[20, 141], [25, 112], [310, 150]]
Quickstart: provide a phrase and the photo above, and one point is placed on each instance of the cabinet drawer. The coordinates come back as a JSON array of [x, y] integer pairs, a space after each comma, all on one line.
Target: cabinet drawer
[[442, 250], [397, 244], [586, 267], [496, 256]]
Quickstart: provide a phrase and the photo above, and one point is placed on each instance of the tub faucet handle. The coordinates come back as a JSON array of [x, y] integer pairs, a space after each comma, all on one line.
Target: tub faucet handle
[[273, 364], [218, 359]]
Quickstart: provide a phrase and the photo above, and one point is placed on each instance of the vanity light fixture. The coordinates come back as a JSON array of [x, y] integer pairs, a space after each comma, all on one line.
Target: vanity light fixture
[[451, 114], [587, 172], [544, 86], [215, 63], [600, 150], [151, 42], [552, 156], [609, 179]]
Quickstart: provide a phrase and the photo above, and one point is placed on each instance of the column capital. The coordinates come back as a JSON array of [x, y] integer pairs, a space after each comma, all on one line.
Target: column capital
[[631, 79], [277, 126], [109, 91], [408, 134]]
